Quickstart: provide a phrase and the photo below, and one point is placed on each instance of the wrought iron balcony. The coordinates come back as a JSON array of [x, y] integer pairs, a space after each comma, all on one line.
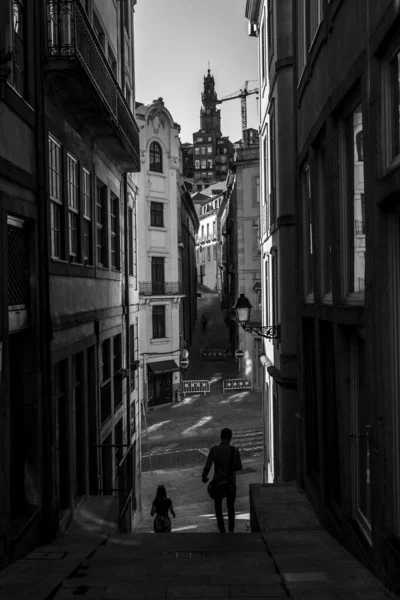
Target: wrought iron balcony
[[167, 288], [78, 73]]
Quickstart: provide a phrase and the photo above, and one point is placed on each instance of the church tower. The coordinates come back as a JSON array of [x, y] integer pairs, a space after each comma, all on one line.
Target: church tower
[[210, 116], [212, 151]]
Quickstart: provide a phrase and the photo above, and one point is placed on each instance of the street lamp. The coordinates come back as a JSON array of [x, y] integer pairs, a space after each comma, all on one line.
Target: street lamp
[[242, 307]]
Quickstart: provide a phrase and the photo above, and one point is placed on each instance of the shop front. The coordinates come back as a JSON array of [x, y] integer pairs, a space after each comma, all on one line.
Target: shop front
[[160, 378]]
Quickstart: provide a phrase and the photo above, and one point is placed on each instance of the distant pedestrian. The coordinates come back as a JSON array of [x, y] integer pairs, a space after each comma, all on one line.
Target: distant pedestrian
[[226, 460], [204, 322], [162, 505]]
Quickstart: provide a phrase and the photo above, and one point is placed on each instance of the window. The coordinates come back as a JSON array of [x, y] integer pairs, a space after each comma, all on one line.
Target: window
[[105, 366], [203, 255], [256, 190], [199, 139], [203, 150], [197, 150], [393, 127], [87, 218], [128, 95], [210, 173], [101, 225], [203, 173], [130, 240], [197, 255], [112, 60], [352, 203], [18, 76], [197, 164], [325, 218], [307, 216], [155, 157], [117, 366], [73, 206], [157, 275], [301, 37], [209, 139], [215, 251], [98, 30], [271, 28], [274, 286], [214, 228], [157, 214], [208, 252], [158, 321], [114, 232], [314, 19], [56, 203], [256, 245], [203, 165], [209, 149], [272, 168], [126, 15], [209, 163], [202, 232], [263, 53], [208, 230]]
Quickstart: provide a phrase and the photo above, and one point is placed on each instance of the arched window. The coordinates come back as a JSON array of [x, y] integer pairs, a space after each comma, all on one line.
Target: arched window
[[155, 157]]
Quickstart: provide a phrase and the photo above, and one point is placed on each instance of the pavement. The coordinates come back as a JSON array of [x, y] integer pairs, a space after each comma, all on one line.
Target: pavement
[[278, 550]]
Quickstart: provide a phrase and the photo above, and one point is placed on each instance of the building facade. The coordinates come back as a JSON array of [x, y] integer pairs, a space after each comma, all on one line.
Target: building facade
[[271, 23], [212, 151], [162, 207], [346, 186], [70, 326], [210, 204], [244, 257]]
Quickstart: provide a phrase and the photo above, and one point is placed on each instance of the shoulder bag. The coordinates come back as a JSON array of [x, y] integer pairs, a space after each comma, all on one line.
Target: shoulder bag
[[223, 487]]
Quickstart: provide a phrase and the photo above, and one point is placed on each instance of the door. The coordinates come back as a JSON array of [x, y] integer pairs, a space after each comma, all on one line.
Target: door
[[157, 275], [360, 436]]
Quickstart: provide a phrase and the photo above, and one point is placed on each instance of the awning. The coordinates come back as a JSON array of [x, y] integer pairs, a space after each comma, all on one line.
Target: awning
[[164, 366]]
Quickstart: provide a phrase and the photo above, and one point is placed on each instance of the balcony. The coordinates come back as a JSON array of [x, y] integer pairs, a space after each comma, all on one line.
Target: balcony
[[78, 75], [167, 288]]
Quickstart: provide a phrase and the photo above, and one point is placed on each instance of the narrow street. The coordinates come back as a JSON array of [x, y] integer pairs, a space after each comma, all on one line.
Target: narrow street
[[179, 435]]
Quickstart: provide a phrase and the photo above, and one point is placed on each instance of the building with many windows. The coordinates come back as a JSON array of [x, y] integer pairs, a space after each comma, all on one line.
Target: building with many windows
[[168, 226], [242, 256], [272, 21], [211, 150], [346, 189], [69, 311]]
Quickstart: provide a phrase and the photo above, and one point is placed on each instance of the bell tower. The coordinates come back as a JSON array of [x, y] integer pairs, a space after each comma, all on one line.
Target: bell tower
[[210, 117]]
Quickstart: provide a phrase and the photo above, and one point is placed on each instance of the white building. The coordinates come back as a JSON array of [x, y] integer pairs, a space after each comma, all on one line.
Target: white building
[[160, 285]]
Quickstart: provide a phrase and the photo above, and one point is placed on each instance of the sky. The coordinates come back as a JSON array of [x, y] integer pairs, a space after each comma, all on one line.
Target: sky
[[175, 39]]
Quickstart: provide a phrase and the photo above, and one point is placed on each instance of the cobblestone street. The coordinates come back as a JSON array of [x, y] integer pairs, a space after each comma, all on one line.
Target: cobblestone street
[[179, 435]]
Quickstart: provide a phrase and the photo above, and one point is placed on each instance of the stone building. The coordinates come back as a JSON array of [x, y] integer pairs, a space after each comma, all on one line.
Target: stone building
[[168, 226], [212, 151], [243, 264], [273, 27], [68, 331], [344, 65]]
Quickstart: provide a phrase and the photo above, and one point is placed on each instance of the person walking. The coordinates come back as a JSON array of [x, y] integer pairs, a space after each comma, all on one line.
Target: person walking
[[227, 461], [162, 505]]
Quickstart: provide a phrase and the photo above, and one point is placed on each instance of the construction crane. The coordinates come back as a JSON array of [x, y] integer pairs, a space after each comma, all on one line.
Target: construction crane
[[242, 94]]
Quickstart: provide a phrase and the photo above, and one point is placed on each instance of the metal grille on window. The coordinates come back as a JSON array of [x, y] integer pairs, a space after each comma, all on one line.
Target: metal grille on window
[[18, 274], [18, 266]]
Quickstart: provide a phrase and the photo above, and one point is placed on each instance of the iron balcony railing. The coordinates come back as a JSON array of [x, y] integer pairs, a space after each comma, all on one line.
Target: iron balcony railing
[[120, 480], [167, 288], [71, 36]]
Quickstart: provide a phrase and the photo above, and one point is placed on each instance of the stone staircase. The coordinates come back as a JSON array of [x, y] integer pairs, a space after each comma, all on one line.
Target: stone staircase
[[180, 565]]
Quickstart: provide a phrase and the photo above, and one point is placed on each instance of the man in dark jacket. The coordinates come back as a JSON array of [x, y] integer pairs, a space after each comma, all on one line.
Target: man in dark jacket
[[226, 460]]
